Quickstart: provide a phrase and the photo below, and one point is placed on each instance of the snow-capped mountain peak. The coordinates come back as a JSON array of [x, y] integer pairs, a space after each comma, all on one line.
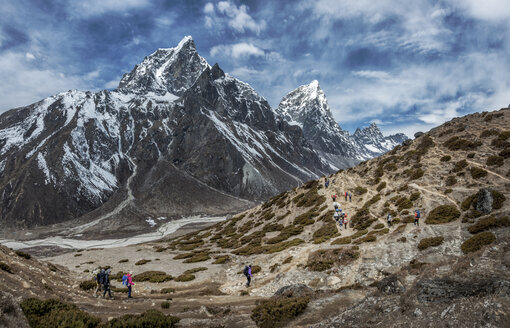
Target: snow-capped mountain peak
[[171, 70]]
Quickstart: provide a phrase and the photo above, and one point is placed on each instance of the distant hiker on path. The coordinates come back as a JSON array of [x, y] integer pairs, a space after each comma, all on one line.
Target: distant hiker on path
[[345, 195], [127, 280], [417, 217], [336, 216], [97, 278], [350, 197], [247, 273], [106, 284], [326, 184], [388, 219], [345, 220], [336, 205], [334, 197]]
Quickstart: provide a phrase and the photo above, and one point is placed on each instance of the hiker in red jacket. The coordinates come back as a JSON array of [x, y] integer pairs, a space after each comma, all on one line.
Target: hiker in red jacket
[[334, 197]]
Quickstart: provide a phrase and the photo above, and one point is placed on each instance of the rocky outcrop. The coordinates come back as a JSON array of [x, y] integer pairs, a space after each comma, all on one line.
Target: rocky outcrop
[[484, 201], [11, 315], [298, 290]]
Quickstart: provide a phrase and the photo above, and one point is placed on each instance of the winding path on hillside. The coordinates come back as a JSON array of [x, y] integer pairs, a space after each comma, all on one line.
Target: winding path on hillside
[[414, 185]]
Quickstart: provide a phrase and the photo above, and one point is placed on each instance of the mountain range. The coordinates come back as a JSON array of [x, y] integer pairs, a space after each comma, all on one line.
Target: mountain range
[[178, 137]]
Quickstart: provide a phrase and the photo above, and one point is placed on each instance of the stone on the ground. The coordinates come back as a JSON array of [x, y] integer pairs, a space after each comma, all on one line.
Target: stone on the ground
[[298, 290]]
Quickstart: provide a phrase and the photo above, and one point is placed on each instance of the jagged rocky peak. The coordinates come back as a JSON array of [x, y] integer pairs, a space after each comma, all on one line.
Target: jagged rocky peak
[[307, 102], [370, 132], [171, 70]]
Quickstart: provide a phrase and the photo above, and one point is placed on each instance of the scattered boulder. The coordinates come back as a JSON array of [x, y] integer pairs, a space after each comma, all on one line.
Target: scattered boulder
[[298, 290], [390, 285], [445, 290], [10, 312], [418, 134], [484, 201]]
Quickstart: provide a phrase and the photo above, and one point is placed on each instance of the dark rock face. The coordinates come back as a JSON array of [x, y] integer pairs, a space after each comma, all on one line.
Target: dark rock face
[[215, 150], [484, 201], [445, 290], [390, 285], [298, 290], [418, 134], [11, 315]]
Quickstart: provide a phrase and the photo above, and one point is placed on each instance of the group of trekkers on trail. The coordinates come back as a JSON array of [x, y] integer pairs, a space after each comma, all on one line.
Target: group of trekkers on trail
[[346, 194], [339, 216], [102, 279]]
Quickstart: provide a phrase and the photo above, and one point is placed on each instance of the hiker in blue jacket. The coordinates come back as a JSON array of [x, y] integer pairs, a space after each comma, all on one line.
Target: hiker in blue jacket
[[247, 273]]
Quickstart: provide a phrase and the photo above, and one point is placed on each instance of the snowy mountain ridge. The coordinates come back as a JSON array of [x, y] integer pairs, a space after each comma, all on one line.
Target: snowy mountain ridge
[[308, 108], [176, 127]]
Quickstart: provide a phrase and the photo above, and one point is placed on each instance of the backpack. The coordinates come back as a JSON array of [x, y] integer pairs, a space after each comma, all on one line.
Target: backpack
[[125, 280], [100, 277], [417, 214], [246, 271]]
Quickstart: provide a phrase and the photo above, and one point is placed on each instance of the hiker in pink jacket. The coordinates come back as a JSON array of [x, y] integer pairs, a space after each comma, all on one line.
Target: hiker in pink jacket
[[130, 283]]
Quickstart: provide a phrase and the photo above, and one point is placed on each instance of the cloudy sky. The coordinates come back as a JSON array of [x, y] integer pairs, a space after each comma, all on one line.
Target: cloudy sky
[[406, 65]]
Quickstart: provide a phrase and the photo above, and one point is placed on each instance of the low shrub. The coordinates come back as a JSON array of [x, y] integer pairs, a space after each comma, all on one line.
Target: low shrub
[[358, 191], [495, 161], [194, 270], [276, 312], [456, 143], [54, 313], [468, 202], [359, 233], [142, 262], [477, 242], [403, 203], [275, 248], [167, 290], [152, 276], [325, 232], [443, 214], [165, 305], [272, 227], [367, 239], [415, 174], [450, 181], [150, 318], [119, 289], [488, 133], [430, 242], [448, 191], [221, 259], [505, 153], [362, 219], [489, 223], [381, 186], [402, 239], [324, 259], [342, 241], [445, 158], [199, 257], [379, 226], [123, 261], [185, 277], [414, 196], [24, 255], [244, 293], [497, 199], [460, 165], [88, 285], [477, 173], [5, 267], [288, 260]]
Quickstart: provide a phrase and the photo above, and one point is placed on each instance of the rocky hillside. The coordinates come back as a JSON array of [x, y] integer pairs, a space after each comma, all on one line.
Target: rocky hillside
[[178, 138], [451, 270]]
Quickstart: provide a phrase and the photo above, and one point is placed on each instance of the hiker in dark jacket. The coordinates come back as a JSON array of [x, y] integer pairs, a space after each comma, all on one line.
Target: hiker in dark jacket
[[350, 197], [247, 273], [106, 284], [97, 278]]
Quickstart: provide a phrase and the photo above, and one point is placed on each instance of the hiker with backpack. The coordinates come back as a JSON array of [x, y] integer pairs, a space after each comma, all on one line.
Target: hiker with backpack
[[336, 205], [106, 284], [326, 183], [417, 217], [127, 280], [248, 275], [350, 197], [388, 219], [345, 195], [99, 273], [334, 197], [345, 220]]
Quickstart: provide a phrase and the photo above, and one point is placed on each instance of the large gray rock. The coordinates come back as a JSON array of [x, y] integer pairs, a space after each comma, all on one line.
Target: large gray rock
[[445, 290], [10, 312], [484, 201], [390, 285]]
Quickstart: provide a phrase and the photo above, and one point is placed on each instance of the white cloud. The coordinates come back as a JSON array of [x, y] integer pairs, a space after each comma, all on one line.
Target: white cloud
[[237, 50], [237, 18], [113, 84], [29, 56], [88, 8], [486, 9], [378, 75], [22, 84]]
